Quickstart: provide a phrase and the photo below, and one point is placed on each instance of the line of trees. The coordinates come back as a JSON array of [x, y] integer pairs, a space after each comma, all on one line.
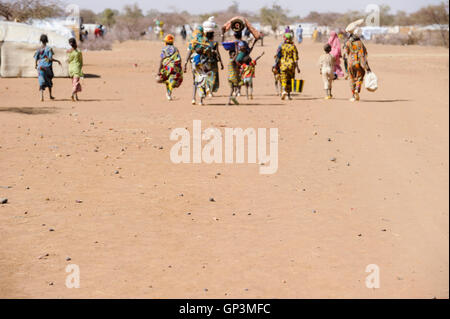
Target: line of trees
[[22, 10], [274, 16], [134, 21]]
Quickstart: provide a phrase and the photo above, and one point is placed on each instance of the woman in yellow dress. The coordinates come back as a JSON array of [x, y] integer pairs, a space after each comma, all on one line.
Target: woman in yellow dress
[[75, 68], [287, 57]]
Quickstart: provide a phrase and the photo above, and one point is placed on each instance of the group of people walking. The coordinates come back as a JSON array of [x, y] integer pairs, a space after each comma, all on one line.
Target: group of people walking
[[355, 61], [205, 58], [44, 58]]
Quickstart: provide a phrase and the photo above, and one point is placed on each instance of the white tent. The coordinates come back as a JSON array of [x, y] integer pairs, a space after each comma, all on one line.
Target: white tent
[[19, 42]]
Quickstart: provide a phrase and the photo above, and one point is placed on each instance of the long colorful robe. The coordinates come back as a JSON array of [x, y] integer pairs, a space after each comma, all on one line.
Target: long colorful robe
[[357, 63], [287, 55], [213, 82], [201, 72], [171, 72]]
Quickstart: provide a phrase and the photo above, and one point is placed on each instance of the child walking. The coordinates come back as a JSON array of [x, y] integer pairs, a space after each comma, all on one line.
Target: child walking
[[248, 68], [327, 63], [44, 65], [75, 68], [233, 78]]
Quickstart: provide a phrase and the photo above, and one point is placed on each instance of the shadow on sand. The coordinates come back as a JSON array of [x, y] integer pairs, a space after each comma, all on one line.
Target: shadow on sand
[[91, 76], [244, 104], [385, 101], [29, 110], [88, 100]]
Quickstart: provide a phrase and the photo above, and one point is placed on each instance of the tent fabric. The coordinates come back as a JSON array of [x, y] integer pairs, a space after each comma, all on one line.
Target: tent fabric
[[17, 60], [20, 32], [61, 27], [368, 32], [20, 42]]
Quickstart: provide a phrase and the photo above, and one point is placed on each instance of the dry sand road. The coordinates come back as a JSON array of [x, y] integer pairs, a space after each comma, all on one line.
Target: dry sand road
[[308, 231]]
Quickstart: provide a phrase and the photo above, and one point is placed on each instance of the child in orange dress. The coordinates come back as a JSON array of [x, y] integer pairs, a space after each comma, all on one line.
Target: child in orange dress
[[248, 68]]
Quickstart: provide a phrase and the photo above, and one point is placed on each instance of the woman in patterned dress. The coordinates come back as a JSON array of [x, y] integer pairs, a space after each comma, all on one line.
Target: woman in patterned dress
[[214, 57], [170, 68], [357, 60], [287, 57]]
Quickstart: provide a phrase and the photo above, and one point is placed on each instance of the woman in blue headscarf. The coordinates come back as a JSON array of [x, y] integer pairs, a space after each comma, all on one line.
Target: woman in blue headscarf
[[44, 65]]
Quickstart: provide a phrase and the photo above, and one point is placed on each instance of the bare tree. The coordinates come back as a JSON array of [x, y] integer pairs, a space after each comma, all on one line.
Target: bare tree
[[435, 14], [273, 17], [88, 16], [22, 10]]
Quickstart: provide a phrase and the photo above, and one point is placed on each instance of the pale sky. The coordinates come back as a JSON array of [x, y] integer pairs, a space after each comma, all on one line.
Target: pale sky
[[296, 7]]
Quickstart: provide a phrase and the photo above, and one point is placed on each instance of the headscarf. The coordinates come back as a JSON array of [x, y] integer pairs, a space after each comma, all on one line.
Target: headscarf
[[169, 39], [288, 37], [197, 38], [335, 44], [209, 25]]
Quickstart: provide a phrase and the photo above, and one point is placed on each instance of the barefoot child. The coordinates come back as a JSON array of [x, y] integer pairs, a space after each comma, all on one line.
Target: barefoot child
[[75, 68], [44, 65], [327, 63], [248, 68], [277, 76]]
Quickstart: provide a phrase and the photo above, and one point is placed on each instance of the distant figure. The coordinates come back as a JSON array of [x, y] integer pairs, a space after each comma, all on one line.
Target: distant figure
[[247, 33], [160, 24], [44, 66], [183, 33], [299, 34], [75, 68], [327, 63], [315, 35], [99, 31]]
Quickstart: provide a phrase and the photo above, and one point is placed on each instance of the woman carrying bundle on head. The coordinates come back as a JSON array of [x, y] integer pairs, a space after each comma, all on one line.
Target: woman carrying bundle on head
[[170, 69], [44, 65], [357, 59], [287, 58]]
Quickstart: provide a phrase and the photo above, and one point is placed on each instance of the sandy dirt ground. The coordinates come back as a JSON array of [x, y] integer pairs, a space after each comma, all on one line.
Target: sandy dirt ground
[[144, 227]]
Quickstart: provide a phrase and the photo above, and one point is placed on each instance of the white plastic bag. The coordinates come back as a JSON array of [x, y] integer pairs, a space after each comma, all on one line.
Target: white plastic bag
[[371, 82]]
